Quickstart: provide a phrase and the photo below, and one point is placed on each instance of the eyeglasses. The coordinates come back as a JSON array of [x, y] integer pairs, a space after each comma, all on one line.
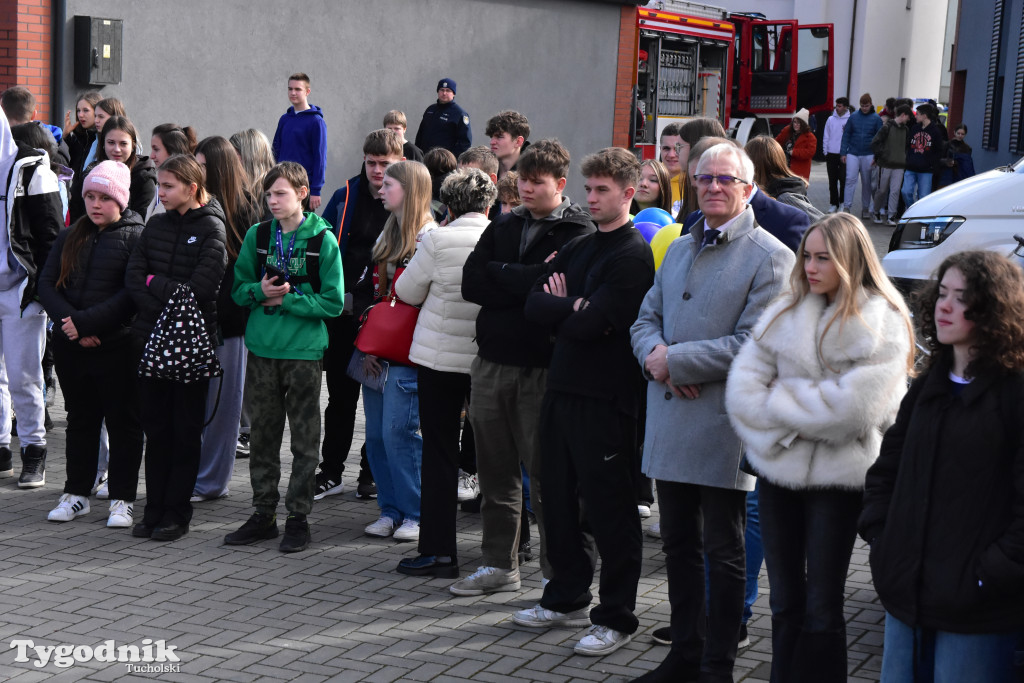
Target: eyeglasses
[[705, 180], [680, 146]]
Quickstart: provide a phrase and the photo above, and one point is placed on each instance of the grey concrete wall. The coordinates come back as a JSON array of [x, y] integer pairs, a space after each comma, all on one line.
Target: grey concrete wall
[[221, 65]]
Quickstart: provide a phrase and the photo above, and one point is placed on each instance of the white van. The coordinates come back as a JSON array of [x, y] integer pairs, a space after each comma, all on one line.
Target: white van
[[980, 212]]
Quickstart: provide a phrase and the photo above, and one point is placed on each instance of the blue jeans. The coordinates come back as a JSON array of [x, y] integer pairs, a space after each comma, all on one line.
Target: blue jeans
[[915, 179], [945, 657], [755, 551], [808, 540], [394, 447]]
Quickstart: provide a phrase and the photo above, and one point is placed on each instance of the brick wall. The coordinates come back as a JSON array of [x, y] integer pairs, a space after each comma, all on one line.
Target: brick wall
[[26, 35], [625, 74]]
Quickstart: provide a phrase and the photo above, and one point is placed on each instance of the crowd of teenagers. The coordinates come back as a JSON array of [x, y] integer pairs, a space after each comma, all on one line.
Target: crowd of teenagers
[[553, 361]]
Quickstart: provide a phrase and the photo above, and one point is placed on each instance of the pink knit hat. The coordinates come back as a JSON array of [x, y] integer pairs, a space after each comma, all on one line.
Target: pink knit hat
[[112, 178]]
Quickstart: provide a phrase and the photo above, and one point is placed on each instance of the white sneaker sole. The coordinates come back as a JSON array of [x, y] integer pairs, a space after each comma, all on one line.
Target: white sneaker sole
[[470, 592], [333, 491], [119, 523], [61, 519], [32, 484], [554, 623], [601, 651]]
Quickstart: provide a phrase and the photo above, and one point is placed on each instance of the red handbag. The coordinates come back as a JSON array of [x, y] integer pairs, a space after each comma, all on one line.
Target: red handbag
[[386, 330]]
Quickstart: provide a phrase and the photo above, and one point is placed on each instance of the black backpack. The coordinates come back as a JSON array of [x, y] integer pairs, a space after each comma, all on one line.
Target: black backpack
[[313, 246]]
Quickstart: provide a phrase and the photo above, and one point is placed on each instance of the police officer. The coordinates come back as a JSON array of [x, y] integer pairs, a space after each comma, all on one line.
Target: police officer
[[445, 124]]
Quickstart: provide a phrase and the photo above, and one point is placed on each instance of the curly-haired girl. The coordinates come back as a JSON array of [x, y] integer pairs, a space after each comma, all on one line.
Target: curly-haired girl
[[944, 503]]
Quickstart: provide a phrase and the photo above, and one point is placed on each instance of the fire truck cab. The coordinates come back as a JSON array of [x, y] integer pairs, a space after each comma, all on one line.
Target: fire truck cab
[[751, 73]]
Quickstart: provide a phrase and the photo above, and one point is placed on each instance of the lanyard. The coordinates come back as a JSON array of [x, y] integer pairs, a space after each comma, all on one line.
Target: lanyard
[[286, 257]]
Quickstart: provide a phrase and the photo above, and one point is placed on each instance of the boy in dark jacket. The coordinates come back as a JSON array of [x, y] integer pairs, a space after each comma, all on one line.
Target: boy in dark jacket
[[509, 375], [588, 299], [925, 148], [302, 136], [286, 337], [890, 148], [357, 216]]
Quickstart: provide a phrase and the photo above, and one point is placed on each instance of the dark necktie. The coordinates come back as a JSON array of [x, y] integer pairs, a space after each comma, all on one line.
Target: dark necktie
[[710, 237]]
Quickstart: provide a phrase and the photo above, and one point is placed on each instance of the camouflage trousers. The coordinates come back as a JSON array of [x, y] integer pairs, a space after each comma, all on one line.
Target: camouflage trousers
[[276, 388]]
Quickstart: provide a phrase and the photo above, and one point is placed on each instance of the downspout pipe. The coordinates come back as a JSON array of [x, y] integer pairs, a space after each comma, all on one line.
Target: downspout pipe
[[849, 62], [60, 15]]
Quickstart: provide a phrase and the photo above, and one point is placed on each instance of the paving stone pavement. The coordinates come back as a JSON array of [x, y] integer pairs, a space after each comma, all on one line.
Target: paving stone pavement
[[337, 612]]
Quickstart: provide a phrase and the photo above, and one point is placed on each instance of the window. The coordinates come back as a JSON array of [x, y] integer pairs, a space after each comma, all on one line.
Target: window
[[993, 98]]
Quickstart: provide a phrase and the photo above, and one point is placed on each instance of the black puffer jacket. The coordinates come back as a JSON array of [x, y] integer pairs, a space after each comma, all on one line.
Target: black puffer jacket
[[177, 248], [143, 187], [95, 296], [944, 506], [500, 274]]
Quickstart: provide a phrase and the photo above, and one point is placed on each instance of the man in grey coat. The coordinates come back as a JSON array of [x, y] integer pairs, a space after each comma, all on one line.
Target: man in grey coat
[[712, 287]]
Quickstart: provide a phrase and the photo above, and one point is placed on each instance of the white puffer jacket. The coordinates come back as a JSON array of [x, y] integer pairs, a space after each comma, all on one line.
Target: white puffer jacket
[[444, 339], [811, 420]]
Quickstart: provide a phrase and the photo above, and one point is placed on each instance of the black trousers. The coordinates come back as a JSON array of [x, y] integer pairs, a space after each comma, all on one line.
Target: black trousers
[[172, 415], [586, 458], [836, 179], [100, 384], [342, 400], [698, 520], [441, 396]]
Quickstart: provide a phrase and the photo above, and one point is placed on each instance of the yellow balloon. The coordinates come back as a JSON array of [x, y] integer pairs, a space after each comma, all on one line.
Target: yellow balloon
[[663, 238]]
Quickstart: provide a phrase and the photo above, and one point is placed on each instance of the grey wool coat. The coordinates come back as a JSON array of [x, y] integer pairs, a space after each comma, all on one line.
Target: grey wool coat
[[703, 306]]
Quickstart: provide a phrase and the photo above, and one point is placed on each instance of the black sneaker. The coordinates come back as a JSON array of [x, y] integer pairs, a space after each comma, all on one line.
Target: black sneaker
[[662, 636], [33, 467], [744, 638], [327, 486], [6, 462], [366, 489], [296, 534], [525, 553], [242, 449], [258, 527]]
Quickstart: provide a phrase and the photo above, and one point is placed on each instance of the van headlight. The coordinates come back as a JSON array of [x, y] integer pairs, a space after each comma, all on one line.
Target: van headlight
[[924, 233]]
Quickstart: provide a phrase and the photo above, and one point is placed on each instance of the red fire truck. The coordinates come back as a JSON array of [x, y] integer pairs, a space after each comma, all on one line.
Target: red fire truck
[[750, 72]]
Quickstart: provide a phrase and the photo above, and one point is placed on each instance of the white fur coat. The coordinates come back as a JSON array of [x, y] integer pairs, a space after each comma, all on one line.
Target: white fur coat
[[810, 419]]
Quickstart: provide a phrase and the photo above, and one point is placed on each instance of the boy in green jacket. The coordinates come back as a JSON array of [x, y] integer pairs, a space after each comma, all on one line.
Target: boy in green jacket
[[289, 273]]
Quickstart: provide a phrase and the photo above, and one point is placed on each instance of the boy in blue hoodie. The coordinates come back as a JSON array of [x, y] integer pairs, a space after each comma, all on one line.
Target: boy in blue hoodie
[[302, 136]]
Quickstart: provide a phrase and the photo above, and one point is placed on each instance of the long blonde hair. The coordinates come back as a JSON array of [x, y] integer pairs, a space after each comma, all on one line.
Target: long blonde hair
[[398, 238], [849, 247]]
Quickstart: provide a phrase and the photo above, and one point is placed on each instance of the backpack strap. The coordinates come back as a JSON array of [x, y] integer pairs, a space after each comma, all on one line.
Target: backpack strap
[[263, 245], [313, 247]]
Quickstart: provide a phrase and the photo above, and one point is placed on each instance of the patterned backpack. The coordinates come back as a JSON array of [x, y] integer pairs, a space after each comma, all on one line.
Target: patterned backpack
[[179, 348]]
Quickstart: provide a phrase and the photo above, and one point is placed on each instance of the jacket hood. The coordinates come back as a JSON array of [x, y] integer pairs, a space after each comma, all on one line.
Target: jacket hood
[[211, 208], [144, 168], [566, 211], [129, 219], [312, 111], [788, 184], [837, 116], [311, 225]]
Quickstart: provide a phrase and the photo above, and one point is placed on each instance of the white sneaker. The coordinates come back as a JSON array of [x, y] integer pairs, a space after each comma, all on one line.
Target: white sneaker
[[103, 492], [469, 487], [601, 640], [538, 617], [69, 507], [654, 530], [121, 514], [382, 528], [833, 208], [101, 482], [409, 531], [487, 580], [644, 510]]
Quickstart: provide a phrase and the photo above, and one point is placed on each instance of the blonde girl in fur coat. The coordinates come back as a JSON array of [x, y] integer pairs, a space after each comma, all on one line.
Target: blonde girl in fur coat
[[810, 395]]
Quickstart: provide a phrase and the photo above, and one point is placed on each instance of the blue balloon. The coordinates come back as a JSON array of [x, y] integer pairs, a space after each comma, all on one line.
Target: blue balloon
[[654, 215], [648, 230]]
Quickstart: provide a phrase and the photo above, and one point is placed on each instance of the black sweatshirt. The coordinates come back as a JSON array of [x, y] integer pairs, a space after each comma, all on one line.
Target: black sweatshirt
[[612, 272]]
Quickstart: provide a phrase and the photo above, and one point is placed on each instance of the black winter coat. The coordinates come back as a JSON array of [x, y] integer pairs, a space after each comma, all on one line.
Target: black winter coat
[[944, 506], [499, 278], [177, 248], [95, 296], [143, 187]]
